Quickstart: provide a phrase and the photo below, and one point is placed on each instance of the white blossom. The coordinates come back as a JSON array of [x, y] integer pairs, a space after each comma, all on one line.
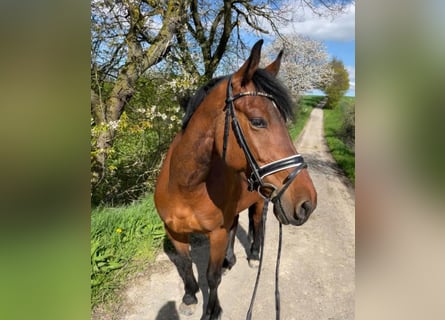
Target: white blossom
[[305, 64], [113, 124]]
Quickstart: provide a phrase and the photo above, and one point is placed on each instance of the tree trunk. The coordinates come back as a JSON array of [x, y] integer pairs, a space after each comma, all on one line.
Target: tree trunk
[[107, 114]]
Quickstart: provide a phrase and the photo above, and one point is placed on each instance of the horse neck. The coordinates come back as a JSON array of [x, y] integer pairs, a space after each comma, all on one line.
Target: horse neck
[[192, 158]]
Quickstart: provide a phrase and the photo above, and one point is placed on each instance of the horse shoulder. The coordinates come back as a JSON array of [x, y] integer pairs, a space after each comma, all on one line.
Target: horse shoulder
[[183, 218]]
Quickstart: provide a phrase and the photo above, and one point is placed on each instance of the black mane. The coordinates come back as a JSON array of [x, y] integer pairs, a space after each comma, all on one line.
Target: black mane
[[266, 82], [193, 103], [263, 81]]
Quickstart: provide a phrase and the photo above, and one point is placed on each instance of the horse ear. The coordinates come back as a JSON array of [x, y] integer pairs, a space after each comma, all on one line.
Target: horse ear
[[245, 73], [274, 67]]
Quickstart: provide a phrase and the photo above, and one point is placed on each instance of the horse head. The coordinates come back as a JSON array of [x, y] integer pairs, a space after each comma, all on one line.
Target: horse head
[[252, 138]]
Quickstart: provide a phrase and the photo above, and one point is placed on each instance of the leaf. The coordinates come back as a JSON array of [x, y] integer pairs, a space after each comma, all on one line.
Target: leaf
[[113, 266]]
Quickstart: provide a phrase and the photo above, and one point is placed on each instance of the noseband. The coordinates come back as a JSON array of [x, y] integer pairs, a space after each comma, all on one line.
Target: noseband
[[255, 181]]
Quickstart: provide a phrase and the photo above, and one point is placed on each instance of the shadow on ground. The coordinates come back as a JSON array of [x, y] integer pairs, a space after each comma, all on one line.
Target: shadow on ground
[[168, 312]]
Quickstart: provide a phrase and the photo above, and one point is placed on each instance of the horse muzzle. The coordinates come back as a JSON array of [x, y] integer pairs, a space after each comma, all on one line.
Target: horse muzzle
[[284, 211], [294, 216]]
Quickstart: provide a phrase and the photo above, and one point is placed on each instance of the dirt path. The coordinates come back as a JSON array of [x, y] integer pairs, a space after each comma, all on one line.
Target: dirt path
[[317, 261]]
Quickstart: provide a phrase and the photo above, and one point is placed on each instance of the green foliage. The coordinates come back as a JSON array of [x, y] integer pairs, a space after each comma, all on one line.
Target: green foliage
[[347, 104], [303, 110], [145, 130], [336, 88], [337, 126], [122, 240]]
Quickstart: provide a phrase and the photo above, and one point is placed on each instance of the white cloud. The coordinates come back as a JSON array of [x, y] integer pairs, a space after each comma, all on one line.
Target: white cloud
[[351, 72], [338, 28]]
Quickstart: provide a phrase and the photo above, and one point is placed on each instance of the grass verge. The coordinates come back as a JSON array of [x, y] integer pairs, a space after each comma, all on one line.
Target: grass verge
[[304, 109], [339, 145], [123, 240]]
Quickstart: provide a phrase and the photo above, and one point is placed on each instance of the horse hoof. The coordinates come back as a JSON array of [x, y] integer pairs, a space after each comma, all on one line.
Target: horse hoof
[[254, 264], [187, 309], [229, 263]]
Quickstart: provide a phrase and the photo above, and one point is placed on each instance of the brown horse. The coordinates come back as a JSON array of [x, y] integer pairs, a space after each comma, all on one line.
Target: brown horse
[[233, 150]]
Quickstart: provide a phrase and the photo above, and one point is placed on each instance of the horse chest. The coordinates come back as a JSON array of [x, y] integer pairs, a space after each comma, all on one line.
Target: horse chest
[[186, 220]]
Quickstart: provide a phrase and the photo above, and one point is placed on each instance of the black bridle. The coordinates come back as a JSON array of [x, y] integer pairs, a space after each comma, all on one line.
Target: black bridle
[[255, 181], [267, 191]]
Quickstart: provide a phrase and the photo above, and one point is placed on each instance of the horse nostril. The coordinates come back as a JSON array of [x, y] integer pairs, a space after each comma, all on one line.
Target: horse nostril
[[307, 206], [304, 210]]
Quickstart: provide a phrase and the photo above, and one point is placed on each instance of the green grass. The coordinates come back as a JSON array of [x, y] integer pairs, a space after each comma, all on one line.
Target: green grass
[[123, 240], [338, 143], [304, 109]]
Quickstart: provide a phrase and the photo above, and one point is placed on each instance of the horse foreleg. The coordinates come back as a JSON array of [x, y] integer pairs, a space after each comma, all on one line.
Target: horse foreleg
[[230, 259], [255, 233], [183, 263], [218, 245]]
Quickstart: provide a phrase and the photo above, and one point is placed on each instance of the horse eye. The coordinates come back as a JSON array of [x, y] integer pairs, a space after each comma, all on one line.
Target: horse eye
[[258, 122]]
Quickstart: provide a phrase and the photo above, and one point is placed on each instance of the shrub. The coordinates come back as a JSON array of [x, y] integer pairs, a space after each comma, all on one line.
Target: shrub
[[144, 132], [347, 130], [339, 84]]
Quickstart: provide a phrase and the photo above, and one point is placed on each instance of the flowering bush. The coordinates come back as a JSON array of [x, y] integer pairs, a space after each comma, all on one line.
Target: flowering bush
[[143, 133]]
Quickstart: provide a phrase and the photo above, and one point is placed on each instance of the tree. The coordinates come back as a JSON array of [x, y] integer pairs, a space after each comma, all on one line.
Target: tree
[[336, 88], [215, 30], [215, 27], [125, 25], [305, 65]]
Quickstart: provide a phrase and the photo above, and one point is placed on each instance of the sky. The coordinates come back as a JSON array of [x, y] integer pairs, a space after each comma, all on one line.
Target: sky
[[337, 34]]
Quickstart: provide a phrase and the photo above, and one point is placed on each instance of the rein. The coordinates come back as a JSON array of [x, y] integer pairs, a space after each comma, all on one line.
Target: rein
[[277, 267], [267, 191]]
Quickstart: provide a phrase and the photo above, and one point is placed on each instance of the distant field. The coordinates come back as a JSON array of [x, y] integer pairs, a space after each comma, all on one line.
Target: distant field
[[304, 109]]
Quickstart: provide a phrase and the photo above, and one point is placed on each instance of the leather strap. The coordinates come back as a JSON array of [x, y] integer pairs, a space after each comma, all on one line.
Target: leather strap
[[255, 181]]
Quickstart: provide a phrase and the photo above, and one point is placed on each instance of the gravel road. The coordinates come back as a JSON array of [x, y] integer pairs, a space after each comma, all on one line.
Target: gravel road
[[317, 261]]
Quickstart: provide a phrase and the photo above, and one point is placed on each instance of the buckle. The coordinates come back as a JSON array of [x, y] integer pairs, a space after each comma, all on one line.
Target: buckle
[[250, 184], [267, 191]]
